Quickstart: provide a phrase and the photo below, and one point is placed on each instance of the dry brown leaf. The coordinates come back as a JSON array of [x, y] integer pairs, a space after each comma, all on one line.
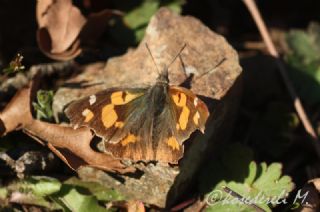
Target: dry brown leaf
[[72, 146], [19, 106], [61, 21], [62, 28]]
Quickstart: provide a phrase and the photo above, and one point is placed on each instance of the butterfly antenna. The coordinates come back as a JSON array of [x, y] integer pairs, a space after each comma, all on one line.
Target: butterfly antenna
[[177, 55], [217, 65], [147, 46]]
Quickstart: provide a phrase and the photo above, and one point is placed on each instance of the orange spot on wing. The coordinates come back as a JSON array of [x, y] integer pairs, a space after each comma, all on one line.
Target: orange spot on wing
[[184, 117], [129, 139], [173, 143], [119, 124], [175, 98], [118, 98], [108, 115], [180, 99], [130, 96], [88, 114]]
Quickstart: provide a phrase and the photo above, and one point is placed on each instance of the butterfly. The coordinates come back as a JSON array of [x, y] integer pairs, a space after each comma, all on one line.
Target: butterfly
[[142, 124]]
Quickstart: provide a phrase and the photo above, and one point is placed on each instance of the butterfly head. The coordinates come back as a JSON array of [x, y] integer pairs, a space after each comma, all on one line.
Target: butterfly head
[[163, 77]]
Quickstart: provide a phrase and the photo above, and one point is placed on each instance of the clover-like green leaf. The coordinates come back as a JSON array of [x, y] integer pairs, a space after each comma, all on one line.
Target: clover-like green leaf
[[262, 185], [271, 182]]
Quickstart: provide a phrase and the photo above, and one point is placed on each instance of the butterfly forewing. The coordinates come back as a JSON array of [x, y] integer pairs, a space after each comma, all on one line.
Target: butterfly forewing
[[104, 112]]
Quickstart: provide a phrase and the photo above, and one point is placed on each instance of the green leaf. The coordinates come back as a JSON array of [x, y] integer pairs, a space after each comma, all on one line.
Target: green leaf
[[101, 192], [174, 5], [130, 30], [71, 195], [72, 200], [41, 185], [138, 18], [252, 173], [3, 193], [141, 15], [43, 106], [304, 58], [261, 184]]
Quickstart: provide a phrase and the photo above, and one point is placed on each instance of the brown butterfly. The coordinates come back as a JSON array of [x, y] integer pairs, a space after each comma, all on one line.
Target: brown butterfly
[[148, 124]]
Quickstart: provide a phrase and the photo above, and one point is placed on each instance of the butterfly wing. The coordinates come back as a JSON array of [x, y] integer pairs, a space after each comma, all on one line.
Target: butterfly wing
[[160, 137], [185, 113], [190, 112], [104, 112]]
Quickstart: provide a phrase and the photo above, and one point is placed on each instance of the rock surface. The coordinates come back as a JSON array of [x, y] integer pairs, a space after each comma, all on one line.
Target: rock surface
[[219, 86]]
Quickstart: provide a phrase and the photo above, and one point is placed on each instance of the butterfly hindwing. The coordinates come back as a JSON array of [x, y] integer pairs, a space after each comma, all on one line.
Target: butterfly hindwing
[[191, 113], [184, 114]]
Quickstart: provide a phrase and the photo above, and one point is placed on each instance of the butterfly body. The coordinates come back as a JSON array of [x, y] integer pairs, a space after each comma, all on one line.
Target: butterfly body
[[142, 124]]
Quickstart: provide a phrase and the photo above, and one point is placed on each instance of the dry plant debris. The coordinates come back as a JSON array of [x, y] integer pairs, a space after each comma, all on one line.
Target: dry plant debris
[[63, 29]]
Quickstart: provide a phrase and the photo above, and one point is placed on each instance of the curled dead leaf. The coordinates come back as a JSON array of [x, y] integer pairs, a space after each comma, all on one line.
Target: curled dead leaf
[[45, 45], [62, 28], [60, 23], [19, 106], [73, 146]]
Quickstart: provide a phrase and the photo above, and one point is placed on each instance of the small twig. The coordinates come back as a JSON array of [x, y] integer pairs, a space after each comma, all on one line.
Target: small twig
[[242, 199], [252, 7]]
